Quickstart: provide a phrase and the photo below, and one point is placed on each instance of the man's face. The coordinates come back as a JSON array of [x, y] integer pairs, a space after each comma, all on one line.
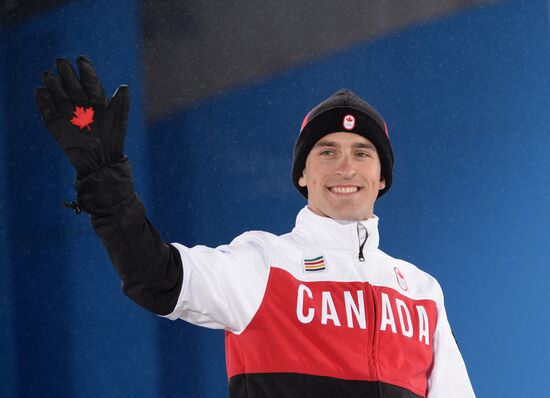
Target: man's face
[[343, 177]]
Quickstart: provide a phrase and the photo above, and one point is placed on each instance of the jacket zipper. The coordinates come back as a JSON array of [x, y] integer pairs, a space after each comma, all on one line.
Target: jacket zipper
[[361, 244], [374, 347], [373, 356]]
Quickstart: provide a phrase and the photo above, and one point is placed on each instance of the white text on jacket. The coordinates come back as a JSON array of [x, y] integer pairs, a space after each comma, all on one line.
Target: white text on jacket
[[355, 313]]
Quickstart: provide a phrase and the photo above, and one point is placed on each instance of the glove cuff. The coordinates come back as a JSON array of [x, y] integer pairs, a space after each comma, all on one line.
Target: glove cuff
[[106, 190]]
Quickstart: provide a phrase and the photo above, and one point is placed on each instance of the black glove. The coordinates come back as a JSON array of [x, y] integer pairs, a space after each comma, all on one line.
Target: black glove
[[90, 129]]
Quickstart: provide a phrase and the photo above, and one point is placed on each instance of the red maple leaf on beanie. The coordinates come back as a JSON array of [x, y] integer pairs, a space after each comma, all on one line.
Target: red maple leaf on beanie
[[83, 117]]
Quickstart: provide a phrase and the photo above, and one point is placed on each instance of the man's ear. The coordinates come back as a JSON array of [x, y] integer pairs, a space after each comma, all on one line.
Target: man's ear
[[302, 181], [382, 184]]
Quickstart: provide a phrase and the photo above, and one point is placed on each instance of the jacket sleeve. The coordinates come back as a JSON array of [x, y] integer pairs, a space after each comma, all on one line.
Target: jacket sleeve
[[223, 287], [448, 378], [219, 288], [216, 288]]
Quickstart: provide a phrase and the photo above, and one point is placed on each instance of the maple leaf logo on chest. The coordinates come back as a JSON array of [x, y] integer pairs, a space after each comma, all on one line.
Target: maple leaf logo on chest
[[83, 117]]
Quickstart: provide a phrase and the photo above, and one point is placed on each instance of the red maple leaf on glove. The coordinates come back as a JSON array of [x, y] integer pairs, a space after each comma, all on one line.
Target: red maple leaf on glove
[[83, 117]]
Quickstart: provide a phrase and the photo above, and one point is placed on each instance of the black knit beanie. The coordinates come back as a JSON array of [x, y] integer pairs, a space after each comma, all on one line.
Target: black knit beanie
[[343, 112]]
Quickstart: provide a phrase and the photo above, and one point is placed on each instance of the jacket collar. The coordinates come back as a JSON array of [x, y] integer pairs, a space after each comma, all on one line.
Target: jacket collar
[[335, 234]]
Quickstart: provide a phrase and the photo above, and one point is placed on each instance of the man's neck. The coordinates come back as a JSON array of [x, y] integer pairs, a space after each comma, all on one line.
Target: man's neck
[[340, 220]]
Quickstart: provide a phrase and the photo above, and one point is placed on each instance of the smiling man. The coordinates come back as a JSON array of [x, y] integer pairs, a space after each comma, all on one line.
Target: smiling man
[[318, 312], [343, 177]]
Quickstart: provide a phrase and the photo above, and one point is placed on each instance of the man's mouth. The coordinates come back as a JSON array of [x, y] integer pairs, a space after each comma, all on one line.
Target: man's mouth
[[344, 190]]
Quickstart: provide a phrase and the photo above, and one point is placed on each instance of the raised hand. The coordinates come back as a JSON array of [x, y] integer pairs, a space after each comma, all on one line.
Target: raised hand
[[87, 126]]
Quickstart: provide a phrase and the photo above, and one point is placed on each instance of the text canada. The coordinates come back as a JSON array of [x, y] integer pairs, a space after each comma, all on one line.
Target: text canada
[[395, 314]]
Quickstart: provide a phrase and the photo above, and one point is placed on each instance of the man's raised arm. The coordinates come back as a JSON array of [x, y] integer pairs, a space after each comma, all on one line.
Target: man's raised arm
[[90, 129]]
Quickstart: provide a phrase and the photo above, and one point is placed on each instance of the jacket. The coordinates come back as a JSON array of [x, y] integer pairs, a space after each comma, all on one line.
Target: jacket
[[322, 312]]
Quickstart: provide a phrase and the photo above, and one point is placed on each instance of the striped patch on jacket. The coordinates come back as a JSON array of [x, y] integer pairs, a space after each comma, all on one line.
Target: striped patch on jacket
[[314, 264]]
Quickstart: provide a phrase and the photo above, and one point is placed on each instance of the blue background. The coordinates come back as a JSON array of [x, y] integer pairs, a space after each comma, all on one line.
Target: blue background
[[466, 101]]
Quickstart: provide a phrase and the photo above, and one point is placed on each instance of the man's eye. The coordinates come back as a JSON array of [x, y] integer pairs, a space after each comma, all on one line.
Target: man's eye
[[327, 152], [362, 154]]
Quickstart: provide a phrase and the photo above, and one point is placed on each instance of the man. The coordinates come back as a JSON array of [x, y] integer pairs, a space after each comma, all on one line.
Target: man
[[320, 311]]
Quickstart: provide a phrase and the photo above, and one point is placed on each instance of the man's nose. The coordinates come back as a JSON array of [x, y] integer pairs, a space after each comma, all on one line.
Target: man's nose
[[345, 167]]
